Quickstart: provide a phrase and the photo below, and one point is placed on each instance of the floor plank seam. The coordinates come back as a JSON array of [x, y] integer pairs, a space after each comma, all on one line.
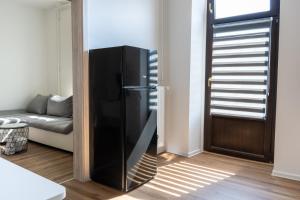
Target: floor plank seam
[[66, 181]]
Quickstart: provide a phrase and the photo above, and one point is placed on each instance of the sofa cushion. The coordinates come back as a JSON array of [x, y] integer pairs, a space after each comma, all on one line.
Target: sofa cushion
[[60, 106], [11, 116], [38, 105], [49, 123]]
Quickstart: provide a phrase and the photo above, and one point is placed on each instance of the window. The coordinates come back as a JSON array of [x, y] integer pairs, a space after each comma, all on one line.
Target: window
[[231, 8], [242, 40], [240, 68]]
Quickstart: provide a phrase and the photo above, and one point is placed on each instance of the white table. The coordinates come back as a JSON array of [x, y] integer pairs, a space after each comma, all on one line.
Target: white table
[[17, 183]]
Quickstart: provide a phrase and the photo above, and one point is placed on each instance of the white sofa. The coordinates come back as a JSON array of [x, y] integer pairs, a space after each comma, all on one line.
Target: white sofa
[[49, 130], [57, 140]]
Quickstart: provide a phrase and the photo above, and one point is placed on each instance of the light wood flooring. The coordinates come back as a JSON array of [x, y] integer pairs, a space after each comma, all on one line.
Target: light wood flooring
[[204, 177], [48, 162]]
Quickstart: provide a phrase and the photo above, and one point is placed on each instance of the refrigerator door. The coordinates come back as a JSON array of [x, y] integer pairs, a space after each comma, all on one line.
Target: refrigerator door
[[106, 130], [140, 138], [136, 67]]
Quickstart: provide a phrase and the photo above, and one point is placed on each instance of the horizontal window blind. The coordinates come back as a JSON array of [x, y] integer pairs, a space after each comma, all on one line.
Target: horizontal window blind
[[153, 79], [240, 68]]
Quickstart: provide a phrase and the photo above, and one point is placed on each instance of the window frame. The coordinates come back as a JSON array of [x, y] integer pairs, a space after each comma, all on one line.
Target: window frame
[[274, 12]]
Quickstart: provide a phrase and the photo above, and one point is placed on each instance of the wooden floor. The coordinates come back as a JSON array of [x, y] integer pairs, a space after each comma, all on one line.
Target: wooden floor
[[48, 162], [204, 177]]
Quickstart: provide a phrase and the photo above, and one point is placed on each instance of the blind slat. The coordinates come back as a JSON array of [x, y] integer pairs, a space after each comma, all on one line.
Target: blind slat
[[237, 46], [239, 104], [237, 113], [239, 87], [235, 108], [242, 36], [247, 69]]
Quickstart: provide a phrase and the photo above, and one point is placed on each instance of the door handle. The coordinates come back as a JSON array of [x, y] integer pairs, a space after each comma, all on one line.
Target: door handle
[[209, 81], [210, 8]]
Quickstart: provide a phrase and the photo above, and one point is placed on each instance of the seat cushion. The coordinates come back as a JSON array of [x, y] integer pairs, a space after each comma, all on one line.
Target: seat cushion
[[49, 123], [11, 116]]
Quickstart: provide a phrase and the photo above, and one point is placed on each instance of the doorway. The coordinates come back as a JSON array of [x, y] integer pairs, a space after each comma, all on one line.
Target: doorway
[[241, 74], [36, 117]]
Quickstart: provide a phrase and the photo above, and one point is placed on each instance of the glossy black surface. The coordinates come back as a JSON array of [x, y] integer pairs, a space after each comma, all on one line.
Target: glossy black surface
[[123, 138], [135, 67], [141, 139], [106, 116]]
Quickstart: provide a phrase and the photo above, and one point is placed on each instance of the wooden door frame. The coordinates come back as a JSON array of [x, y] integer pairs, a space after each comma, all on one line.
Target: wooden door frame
[[80, 91], [271, 113]]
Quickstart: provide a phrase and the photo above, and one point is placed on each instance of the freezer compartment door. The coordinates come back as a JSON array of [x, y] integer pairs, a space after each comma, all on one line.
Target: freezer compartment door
[[136, 67]]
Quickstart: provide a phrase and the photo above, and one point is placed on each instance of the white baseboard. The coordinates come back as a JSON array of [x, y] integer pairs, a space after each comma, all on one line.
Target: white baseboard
[[286, 175], [161, 149], [188, 155], [193, 153]]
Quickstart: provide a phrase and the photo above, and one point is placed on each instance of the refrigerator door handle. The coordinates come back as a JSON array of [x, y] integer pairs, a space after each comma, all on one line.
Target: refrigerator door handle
[[136, 88]]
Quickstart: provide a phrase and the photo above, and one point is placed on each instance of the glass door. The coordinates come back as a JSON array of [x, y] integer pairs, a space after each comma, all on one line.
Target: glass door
[[241, 78]]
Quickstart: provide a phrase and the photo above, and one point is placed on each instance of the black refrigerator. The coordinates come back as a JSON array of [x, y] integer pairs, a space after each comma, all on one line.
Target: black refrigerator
[[123, 125]]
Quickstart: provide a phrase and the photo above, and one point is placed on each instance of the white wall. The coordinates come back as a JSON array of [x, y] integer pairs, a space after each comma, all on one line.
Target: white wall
[[30, 60], [287, 136], [59, 50], [197, 76], [127, 22], [66, 69], [52, 51], [124, 22], [177, 73], [185, 48], [22, 55]]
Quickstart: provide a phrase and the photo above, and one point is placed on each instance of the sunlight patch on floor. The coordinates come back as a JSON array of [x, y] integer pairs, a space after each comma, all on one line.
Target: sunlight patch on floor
[[173, 180], [182, 178], [125, 197], [168, 157]]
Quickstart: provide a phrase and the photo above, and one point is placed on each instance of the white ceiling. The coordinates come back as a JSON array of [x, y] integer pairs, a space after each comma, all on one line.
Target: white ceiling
[[42, 3]]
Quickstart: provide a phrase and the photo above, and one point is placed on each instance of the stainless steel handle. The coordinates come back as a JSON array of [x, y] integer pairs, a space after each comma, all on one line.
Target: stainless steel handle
[[209, 81], [210, 8]]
